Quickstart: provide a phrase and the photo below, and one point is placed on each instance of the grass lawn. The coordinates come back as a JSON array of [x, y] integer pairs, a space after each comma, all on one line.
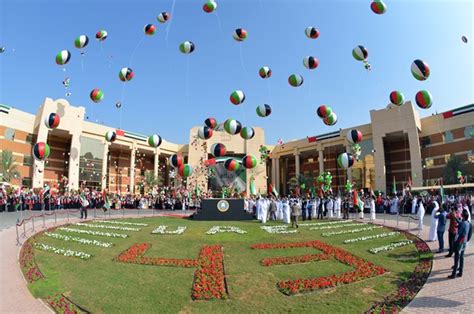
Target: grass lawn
[[102, 285]]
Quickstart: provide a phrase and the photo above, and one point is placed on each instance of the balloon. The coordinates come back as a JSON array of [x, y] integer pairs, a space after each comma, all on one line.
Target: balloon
[[66, 82], [295, 80], [218, 150], [354, 136], [237, 97], [81, 41], [360, 53], [149, 29], [96, 95], [52, 121], [154, 140], [324, 111], [397, 98], [424, 99], [110, 136], [101, 35], [420, 70], [186, 47], [185, 170], [163, 17], [378, 7], [331, 119], [265, 72], [345, 160], [264, 110], [211, 123], [231, 164], [205, 132], [176, 160], [312, 32], [463, 38], [2, 49], [126, 74], [348, 186], [232, 126], [240, 34], [249, 162], [247, 133], [209, 6], [310, 62], [118, 105], [63, 57], [68, 94], [41, 151]]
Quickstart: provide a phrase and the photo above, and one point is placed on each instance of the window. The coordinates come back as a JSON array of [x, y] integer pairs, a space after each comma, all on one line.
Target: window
[[470, 157], [9, 134], [429, 162], [31, 138], [469, 132], [27, 160], [26, 182], [425, 141], [448, 137]]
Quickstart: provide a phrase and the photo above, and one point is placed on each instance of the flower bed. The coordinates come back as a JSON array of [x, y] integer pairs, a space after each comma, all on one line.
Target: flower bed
[[288, 260], [60, 304], [390, 247], [134, 255], [372, 237], [95, 233], [311, 224], [282, 229], [162, 230], [62, 251], [107, 227], [337, 226], [63, 237], [209, 278], [363, 269], [328, 234], [126, 223], [218, 229], [28, 265]]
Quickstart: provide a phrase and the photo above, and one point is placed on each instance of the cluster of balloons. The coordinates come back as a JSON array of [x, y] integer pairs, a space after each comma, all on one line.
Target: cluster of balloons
[[327, 114], [348, 186], [360, 53], [325, 181]]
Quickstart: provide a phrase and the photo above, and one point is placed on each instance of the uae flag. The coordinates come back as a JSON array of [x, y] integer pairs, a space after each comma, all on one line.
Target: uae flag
[[458, 111], [272, 190]]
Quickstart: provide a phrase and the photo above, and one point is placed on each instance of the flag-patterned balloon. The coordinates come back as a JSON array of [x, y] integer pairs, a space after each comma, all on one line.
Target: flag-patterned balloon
[[237, 97], [186, 47], [354, 136], [149, 29], [331, 119], [240, 34], [397, 98], [247, 133], [41, 150], [205, 132], [378, 7], [324, 111], [63, 57], [360, 53], [231, 164], [101, 35], [176, 160], [163, 17], [345, 160], [295, 80], [81, 41], [264, 110], [424, 99], [420, 70], [52, 120], [249, 162], [218, 150], [265, 72], [185, 170], [209, 6], [154, 140], [110, 136], [96, 95], [310, 62], [232, 126], [311, 32], [126, 74], [211, 123]]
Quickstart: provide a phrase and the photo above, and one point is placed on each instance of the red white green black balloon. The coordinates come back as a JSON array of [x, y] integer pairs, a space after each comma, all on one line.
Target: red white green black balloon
[[154, 140], [311, 32], [264, 110], [397, 98], [40, 151], [324, 111], [360, 53], [63, 57], [232, 126], [209, 6], [331, 119], [378, 7], [149, 29], [163, 17], [218, 150], [354, 136], [2, 49], [464, 39], [265, 72], [237, 97], [205, 132], [186, 47], [96, 95], [231, 164], [176, 160], [310, 62], [126, 74], [247, 133], [118, 105], [420, 70], [110, 136], [249, 162], [211, 123], [52, 120], [295, 80], [345, 160], [424, 100], [81, 41], [101, 35], [240, 34], [185, 170]]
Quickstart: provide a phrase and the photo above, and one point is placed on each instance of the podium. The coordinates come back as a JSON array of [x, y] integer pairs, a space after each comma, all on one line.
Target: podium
[[222, 209]]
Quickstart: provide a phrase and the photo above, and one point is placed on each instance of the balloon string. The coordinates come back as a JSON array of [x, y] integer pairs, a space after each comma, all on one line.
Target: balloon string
[[219, 23], [121, 103], [82, 63], [187, 78], [135, 50], [171, 21], [242, 60]]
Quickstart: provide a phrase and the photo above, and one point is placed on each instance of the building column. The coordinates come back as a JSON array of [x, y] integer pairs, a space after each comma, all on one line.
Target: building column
[[156, 163], [273, 178], [321, 160], [277, 177], [74, 161], [379, 158], [132, 169], [105, 164], [415, 158], [349, 170], [297, 163], [285, 176]]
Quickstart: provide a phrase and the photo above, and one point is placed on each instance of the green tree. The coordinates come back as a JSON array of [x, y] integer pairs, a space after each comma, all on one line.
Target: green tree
[[453, 165], [150, 180], [8, 166]]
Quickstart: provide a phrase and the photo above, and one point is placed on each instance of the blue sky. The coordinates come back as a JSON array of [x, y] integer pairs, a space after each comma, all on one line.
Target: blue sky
[[172, 92]]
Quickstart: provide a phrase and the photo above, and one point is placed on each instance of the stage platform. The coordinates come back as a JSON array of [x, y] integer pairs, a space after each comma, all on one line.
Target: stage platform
[[222, 209]]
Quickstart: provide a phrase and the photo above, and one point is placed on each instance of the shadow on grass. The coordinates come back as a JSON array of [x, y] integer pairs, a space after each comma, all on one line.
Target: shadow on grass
[[432, 302], [411, 257]]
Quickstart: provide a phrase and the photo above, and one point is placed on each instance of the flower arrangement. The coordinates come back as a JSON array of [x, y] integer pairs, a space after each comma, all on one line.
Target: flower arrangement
[[95, 233], [62, 251], [134, 255], [337, 226], [390, 247], [122, 223], [162, 230], [328, 234], [372, 237], [282, 229], [60, 304], [209, 278], [218, 229], [107, 227], [27, 262], [63, 237], [288, 260], [317, 224]]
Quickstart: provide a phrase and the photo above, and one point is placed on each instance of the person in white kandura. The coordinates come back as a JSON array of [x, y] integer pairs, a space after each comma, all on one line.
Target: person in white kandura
[[279, 213], [434, 223], [337, 207], [413, 206], [372, 208], [286, 211], [394, 205], [259, 208], [329, 207], [421, 214], [314, 207], [264, 210]]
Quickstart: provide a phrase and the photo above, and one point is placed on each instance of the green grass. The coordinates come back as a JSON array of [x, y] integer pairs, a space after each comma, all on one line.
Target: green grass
[[104, 286]]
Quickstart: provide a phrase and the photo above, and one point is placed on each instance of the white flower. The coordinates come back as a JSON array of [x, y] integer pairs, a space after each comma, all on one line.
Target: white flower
[[337, 226], [327, 234], [218, 229], [107, 227], [309, 224], [371, 237], [390, 247], [122, 223], [77, 239], [162, 230], [62, 251], [282, 229], [95, 233]]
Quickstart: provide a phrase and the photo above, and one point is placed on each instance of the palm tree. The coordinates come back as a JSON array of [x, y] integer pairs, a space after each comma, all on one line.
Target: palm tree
[[453, 165], [8, 166], [150, 179]]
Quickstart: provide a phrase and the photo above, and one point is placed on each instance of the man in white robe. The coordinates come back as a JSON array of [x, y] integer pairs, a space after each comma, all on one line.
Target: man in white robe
[[279, 213], [372, 208], [286, 211], [337, 207], [264, 210], [329, 207], [433, 236], [259, 208], [314, 207], [413, 206], [421, 214], [394, 205]]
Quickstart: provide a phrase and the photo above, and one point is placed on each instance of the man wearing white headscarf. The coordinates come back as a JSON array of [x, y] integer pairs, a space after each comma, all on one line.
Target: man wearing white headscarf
[[286, 211], [433, 236]]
